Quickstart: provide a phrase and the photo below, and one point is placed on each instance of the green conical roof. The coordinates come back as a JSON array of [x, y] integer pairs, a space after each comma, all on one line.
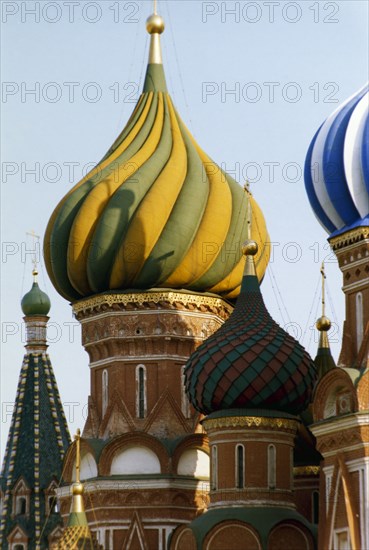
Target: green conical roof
[[37, 441], [35, 302]]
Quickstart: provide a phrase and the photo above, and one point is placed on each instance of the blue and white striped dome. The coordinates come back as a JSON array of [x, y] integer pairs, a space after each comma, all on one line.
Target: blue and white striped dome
[[337, 166]]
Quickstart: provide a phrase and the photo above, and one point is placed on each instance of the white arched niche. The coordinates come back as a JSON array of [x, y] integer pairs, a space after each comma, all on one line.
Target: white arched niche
[[88, 468], [194, 462], [135, 460]]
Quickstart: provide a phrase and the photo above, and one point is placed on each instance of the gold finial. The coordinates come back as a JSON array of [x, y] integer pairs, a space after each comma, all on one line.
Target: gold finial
[[249, 247], [77, 487], [155, 27], [77, 439], [155, 24], [323, 324], [36, 238]]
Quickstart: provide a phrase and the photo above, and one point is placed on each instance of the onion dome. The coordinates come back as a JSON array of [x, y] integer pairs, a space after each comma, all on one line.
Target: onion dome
[[155, 212], [337, 166], [250, 362], [35, 302]]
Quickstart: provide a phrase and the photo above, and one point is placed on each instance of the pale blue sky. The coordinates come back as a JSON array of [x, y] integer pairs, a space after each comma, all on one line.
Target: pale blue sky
[[316, 52]]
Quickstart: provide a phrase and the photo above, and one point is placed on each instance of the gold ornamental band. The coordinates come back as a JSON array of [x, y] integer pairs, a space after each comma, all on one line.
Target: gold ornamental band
[[154, 297]]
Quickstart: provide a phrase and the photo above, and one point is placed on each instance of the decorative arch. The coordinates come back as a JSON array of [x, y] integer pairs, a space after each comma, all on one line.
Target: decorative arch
[[295, 533], [194, 462], [21, 498], [183, 539], [232, 534], [193, 442], [70, 459], [335, 394], [88, 467], [132, 440], [135, 460]]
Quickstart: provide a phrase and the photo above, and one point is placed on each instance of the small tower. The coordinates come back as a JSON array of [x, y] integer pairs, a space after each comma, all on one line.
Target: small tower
[[251, 379], [37, 441], [337, 184], [148, 253]]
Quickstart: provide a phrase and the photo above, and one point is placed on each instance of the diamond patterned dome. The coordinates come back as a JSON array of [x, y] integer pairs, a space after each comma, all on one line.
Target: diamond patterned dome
[[250, 362]]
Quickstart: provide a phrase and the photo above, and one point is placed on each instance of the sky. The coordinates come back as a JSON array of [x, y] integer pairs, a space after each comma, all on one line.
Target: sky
[[252, 80]]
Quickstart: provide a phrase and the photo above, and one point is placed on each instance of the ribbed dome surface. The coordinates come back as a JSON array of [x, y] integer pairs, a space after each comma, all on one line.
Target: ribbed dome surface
[[337, 166], [250, 362], [155, 212]]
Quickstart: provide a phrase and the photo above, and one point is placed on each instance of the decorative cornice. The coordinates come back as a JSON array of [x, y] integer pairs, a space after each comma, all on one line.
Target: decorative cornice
[[140, 298], [350, 237], [250, 422], [306, 470]]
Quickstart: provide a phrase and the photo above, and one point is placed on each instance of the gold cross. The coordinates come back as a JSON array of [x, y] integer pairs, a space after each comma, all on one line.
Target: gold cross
[[36, 238]]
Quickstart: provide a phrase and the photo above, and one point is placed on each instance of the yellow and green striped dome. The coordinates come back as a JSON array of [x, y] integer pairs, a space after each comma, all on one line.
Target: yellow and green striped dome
[[155, 212]]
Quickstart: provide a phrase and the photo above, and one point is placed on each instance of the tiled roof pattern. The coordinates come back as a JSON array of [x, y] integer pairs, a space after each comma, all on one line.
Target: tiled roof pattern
[[37, 441], [78, 537], [250, 362]]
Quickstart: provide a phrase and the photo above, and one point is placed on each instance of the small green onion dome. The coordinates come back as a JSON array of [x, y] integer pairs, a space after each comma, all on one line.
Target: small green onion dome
[[35, 302]]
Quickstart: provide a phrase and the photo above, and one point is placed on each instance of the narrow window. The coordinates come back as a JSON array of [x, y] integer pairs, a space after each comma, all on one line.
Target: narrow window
[[240, 466], [359, 320], [185, 402], [105, 391], [214, 468], [141, 399], [53, 505], [315, 507], [21, 506], [107, 540], [271, 467]]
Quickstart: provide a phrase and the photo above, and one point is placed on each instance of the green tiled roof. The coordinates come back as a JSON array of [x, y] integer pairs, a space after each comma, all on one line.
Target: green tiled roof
[[262, 519], [250, 362], [38, 439]]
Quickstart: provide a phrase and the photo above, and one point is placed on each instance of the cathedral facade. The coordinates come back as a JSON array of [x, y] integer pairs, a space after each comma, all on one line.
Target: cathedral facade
[[209, 427]]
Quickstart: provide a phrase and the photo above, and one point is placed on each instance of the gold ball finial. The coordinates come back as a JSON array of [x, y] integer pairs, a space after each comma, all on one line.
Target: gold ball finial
[[77, 488], [155, 24], [323, 323], [250, 248]]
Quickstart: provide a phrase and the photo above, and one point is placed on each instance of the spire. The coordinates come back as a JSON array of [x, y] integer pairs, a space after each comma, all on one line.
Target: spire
[[324, 360], [155, 78], [250, 247], [38, 436], [77, 534]]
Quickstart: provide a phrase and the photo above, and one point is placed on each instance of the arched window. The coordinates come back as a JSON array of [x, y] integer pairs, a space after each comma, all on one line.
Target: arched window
[[19, 547], [185, 404], [315, 507], [359, 320], [105, 391], [214, 468], [271, 467], [141, 397], [240, 466]]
